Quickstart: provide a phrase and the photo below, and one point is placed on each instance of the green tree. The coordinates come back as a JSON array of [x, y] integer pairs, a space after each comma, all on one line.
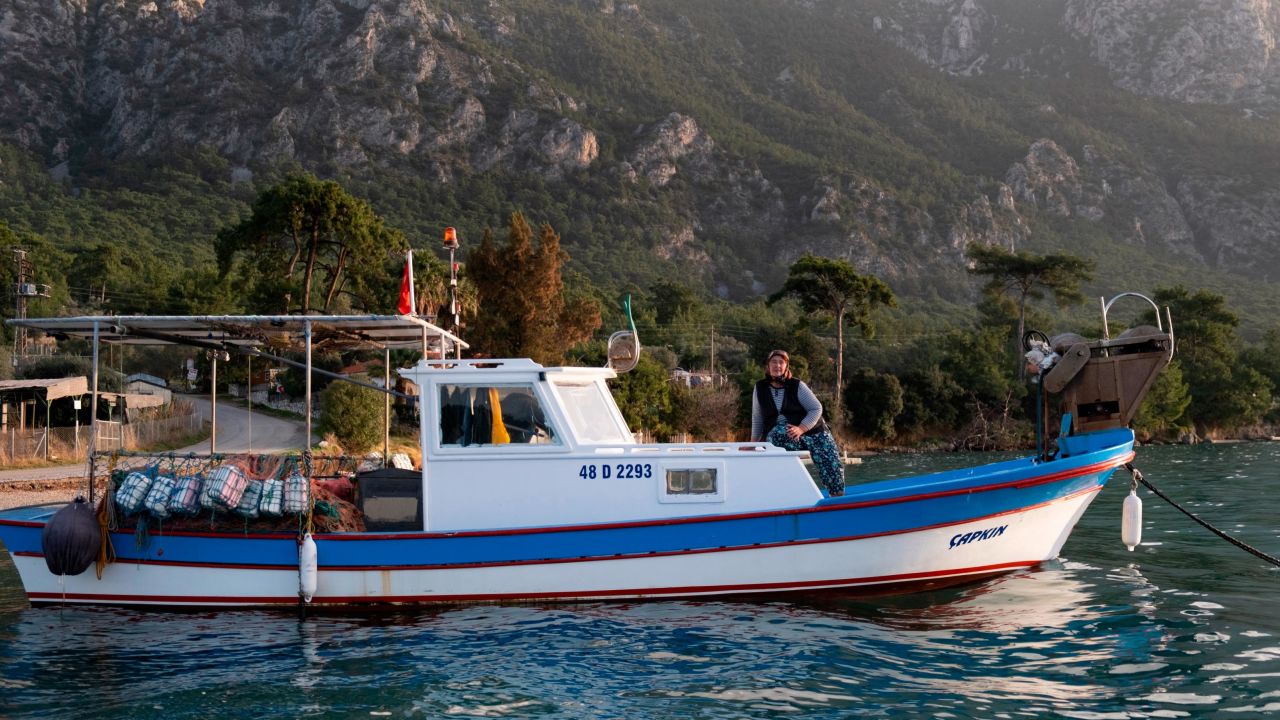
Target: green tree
[[1224, 392], [1166, 403], [878, 398], [1026, 276], [202, 290], [354, 415], [1265, 359], [931, 399], [645, 397], [672, 299], [305, 243], [974, 361], [834, 287], [524, 310], [431, 292]]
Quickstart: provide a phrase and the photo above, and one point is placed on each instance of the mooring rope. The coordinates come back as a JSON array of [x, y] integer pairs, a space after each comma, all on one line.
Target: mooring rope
[[1137, 476]]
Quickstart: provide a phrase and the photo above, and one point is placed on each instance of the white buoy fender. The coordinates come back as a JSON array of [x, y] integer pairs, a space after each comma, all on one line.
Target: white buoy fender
[[1131, 521], [308, 568]]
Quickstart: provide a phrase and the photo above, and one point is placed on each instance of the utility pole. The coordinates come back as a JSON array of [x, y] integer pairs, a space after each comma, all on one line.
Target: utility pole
[[713, 355], [23, 289]]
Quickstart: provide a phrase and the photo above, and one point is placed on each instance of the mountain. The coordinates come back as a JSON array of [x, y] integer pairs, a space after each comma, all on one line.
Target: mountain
[[702, 141]]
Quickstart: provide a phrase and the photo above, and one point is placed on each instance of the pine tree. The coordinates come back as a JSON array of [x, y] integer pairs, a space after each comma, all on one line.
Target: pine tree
[[307, 242], [823, 285], [523, 308], [1026, 276]]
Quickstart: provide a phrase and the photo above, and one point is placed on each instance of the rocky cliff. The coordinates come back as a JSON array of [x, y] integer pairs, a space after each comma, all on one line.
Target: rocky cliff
[[1199, 51]]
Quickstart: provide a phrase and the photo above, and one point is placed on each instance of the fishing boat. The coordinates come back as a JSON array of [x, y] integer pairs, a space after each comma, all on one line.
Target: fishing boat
[[533, 489]]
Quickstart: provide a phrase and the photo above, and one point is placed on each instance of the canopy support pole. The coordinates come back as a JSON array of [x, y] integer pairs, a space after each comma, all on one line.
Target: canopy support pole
[[93, 413], [306, 333], [386, 415], [213, 409], [248, 396], [47, 417]]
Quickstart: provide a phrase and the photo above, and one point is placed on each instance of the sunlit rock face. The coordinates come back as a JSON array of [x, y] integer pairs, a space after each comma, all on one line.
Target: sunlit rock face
[[1205, 51], [1200, 51]]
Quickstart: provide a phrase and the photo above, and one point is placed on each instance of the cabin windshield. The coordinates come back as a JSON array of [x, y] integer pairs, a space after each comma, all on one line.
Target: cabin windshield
[[592, 413], [492, 415]]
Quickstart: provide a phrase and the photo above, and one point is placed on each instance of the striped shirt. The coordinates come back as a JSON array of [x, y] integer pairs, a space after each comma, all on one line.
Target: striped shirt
[[808, 401]]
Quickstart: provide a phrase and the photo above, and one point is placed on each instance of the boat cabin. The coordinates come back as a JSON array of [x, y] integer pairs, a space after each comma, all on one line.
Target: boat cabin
[[510, 443]]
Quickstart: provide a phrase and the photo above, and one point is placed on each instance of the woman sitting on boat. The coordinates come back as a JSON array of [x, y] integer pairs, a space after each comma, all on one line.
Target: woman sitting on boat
[[792, 415]]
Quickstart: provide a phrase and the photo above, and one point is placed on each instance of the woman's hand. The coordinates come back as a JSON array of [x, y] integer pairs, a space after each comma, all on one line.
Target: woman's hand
[[794, 432]]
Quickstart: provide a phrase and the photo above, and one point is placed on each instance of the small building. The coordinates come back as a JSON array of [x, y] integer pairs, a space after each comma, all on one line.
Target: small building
[[144, 384], [696, 378], [26, 403]]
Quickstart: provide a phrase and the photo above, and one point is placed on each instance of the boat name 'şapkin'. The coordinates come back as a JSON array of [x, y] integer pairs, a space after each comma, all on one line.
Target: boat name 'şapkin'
[[975, 536]]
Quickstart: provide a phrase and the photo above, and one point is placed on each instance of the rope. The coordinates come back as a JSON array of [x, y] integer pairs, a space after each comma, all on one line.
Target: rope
[[311, 501], [106, 551], [1137, 476]]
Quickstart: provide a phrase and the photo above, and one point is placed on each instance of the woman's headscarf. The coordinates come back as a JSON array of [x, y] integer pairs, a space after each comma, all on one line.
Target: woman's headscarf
[[786, 374]]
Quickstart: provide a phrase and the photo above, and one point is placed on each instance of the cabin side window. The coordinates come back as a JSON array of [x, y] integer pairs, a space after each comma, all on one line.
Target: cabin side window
[[492, 415], [591, 413]]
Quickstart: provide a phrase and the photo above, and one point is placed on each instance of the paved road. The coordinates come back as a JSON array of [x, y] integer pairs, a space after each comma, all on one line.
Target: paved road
[[238, 431]]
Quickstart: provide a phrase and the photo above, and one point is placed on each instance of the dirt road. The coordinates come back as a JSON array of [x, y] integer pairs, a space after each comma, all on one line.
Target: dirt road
[[238, 431]]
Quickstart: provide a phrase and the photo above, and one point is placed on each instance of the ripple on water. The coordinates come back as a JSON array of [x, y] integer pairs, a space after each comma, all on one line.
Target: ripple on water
[[1133, 668], [1184, 698]]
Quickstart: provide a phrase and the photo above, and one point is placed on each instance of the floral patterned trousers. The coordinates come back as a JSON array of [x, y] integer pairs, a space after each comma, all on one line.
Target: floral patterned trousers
[[822, 449]]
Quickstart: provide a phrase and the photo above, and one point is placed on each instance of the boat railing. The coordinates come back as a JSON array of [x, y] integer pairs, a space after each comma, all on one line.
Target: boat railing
[[687, 449]]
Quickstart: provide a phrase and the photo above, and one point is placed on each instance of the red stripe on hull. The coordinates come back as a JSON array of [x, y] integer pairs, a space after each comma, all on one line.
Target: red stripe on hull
[[930, 577]]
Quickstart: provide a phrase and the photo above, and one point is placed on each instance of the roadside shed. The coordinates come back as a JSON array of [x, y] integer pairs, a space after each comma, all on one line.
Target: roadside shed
[[21, 400], [22, 422]]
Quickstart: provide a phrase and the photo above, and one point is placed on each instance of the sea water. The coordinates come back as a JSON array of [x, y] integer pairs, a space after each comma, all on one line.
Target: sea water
[[1185, 626]]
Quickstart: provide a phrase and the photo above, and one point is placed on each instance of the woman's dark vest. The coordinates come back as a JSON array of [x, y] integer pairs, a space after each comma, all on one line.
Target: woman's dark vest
[[792, 410]]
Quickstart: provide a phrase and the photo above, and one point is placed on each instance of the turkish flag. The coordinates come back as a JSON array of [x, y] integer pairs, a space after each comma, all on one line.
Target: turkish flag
[[406, 288]]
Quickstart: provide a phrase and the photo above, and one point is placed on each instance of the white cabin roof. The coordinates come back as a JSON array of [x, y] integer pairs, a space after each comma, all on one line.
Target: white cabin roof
[[501, 369]]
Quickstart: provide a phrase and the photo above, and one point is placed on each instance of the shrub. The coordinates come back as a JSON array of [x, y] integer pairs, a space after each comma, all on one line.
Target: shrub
[[354, 415], [872, 401]]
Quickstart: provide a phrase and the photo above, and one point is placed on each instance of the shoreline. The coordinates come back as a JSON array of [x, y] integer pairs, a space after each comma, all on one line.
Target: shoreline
[[20, 493]]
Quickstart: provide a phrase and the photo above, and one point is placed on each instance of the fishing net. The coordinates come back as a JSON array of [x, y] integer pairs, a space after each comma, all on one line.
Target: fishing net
[[243, 493]]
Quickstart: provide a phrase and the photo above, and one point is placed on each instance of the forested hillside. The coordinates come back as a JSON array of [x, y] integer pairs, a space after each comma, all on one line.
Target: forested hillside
[[683, 143]]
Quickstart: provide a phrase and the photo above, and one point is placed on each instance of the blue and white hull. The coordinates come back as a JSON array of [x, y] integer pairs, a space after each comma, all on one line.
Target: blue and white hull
[[881, 536]]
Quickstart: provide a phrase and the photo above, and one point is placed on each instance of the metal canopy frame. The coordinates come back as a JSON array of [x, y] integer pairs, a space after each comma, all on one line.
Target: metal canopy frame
[[279, 332], [260, 335]]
